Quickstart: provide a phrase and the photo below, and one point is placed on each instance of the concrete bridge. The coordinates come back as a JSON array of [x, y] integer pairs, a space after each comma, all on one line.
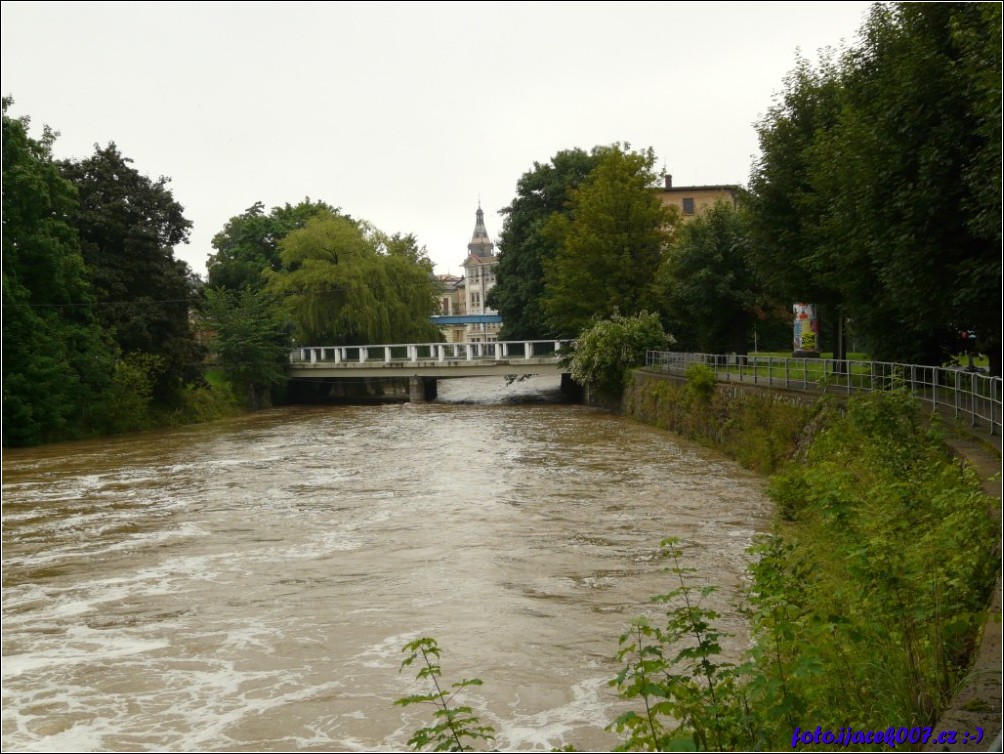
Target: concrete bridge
[[423, 363]]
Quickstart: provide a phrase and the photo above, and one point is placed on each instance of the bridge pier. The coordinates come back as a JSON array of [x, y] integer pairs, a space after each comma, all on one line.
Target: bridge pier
[[422, 389]]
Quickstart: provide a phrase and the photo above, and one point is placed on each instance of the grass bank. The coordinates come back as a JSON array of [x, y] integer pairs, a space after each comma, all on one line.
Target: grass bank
[[866, 599]]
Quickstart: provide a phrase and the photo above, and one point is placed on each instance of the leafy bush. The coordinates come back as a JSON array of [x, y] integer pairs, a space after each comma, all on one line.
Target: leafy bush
[[203, 404], [131, 393], [701, 381], [609, 347], [893, 541], [689, 695]]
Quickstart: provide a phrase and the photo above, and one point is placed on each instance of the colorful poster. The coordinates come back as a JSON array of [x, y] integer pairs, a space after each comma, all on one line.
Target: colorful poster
[[806, 328]]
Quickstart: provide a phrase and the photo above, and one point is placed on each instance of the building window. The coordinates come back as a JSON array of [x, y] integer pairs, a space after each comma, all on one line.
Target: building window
[[688, 205]]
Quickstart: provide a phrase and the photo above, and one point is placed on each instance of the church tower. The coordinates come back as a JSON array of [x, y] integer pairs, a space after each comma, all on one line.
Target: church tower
[[481, 245], [479, 278]]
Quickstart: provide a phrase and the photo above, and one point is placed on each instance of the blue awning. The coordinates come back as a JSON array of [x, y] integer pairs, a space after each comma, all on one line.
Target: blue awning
[[466, 319]]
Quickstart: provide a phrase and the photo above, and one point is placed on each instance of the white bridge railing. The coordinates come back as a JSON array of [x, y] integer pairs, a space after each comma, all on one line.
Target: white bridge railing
[[969, 394], [416, 353]]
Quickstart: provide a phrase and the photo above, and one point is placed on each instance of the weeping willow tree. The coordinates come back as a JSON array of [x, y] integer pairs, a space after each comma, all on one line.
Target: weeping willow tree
[[344, 282]]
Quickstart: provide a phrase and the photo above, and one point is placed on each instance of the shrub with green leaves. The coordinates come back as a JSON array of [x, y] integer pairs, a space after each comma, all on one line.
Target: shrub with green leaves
[[606, 349], [701, 381], [886, 566], [689, 695], [130, 397]]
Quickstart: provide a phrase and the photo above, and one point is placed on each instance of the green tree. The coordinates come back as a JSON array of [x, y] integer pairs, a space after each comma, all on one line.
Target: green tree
[[128, 226], [249, 243], [908, 180], [250, 337], [345, 282], [57, 362], [524, 246], [879, 182], [787, 210], [610, 246], [712, 293]]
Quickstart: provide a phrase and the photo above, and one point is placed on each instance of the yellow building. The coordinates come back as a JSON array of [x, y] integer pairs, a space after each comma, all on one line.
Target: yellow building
[[452, 303], [692, 201]]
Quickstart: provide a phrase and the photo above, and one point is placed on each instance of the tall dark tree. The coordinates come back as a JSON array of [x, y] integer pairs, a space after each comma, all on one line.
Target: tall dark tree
[[250, 337], [249, 243], [57, 362], [611, 245], [879, 182], [128, 226], [524, 247], [912, 176], [787, 210], [712, 293]]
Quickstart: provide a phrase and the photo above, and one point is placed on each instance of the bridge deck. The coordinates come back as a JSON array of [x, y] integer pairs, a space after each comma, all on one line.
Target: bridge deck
[[429, 359]]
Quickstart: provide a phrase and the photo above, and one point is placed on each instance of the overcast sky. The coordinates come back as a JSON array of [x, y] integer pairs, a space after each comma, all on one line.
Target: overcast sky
[[402, 114]]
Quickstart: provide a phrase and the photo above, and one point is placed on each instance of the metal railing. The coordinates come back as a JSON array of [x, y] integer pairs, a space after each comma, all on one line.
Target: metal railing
[[969, 394]]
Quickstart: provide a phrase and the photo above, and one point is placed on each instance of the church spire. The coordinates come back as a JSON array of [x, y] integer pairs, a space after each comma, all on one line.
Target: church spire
[[480, 245]]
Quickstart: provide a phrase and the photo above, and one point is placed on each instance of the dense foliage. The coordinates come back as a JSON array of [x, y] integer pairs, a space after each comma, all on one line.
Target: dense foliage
[[881, 559], [607, 349], [878, 187], [98, 327], [57, 360], [250, 339], [895, 536], [525, 247], [344, 282], [609, 246], [710, 290], [128, 226], [249, 243]]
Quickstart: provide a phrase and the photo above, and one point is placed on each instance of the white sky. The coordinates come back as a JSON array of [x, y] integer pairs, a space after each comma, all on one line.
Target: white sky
[[402, 114]]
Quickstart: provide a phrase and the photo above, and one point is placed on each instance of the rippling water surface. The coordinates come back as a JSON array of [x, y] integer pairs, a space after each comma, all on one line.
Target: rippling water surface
[[248, 585]]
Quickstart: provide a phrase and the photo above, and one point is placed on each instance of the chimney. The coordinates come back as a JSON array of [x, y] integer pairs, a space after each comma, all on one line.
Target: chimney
[[669, 180]]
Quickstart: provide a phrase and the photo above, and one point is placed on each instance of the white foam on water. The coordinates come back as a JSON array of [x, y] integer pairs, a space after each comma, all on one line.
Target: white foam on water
[[78, 649], [76, 737], [550, 728], [386, 654]]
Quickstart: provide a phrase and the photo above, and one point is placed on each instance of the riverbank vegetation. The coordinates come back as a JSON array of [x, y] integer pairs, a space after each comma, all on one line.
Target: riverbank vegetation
[[607, 349], [866, 599], [96, 332]]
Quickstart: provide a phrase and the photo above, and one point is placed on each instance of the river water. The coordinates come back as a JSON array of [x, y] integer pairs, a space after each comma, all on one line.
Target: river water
[[249, 584]]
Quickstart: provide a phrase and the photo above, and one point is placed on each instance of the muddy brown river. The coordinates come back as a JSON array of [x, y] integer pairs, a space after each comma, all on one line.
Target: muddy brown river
[[249, 584]]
